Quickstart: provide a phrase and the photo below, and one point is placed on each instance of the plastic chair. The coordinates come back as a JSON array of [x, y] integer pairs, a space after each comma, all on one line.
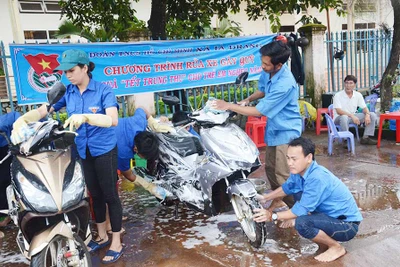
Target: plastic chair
[[255, 129], [256, 118], [333, 134], [351, 125]]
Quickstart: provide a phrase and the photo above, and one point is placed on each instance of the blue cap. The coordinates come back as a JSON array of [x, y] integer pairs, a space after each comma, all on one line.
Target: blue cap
[[71, 58]]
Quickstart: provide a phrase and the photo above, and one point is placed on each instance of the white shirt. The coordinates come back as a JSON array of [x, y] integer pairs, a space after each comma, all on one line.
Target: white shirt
[[343, 101]]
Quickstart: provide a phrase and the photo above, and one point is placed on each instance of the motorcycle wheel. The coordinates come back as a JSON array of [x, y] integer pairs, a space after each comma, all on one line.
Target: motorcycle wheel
[[255, 232], [53, 253]]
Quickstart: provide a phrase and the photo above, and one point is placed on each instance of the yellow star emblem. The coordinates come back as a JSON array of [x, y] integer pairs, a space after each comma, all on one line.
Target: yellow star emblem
[[45, 65]]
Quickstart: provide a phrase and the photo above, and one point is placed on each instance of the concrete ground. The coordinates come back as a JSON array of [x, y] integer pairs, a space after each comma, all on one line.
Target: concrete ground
[[155, 238]]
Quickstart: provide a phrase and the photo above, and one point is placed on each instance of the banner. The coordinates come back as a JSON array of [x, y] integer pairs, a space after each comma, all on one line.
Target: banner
[[139, 67]]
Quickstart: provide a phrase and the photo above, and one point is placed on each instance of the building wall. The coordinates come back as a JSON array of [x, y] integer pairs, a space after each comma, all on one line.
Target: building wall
[[51, 21]]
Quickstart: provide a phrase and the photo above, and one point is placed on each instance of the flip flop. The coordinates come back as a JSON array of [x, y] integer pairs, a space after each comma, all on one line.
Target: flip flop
[[111, 253], [95, 245]]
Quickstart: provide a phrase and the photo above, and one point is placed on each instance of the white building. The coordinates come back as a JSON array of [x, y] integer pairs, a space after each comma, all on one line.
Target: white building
[[38, 20]]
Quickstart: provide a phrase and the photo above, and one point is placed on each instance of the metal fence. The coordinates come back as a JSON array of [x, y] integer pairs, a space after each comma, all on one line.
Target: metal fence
[[365, 55]]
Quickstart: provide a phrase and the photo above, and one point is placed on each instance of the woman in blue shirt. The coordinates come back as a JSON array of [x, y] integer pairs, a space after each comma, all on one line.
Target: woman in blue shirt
[[92, 110]]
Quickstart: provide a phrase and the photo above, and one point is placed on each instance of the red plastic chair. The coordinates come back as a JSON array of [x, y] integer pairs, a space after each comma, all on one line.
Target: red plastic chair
[[255, 129]]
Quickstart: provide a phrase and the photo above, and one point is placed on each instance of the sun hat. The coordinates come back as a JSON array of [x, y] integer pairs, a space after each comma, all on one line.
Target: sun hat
[[71, 58]]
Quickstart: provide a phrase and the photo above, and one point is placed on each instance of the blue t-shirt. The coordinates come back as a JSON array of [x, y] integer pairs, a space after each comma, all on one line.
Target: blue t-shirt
[[6, 123], [322, 192], [94, 100], [126, 131], [192, 131], [280, 106]]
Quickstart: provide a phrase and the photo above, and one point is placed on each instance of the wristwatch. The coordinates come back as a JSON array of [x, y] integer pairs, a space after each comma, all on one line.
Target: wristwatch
[[274, 217]]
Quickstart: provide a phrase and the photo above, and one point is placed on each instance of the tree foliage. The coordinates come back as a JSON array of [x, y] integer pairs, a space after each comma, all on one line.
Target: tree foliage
[[273, 9], [109, 18]]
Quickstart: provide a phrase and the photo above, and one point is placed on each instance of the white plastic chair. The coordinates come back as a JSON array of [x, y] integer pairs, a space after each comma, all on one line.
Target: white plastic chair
[[351, 125], [333, 134]]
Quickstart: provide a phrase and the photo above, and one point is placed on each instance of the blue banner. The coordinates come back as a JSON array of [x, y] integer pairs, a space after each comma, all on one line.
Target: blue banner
[[131, 68]]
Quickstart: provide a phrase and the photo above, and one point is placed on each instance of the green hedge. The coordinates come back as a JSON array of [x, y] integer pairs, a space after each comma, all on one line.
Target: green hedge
[[63, 115], [199, 98]]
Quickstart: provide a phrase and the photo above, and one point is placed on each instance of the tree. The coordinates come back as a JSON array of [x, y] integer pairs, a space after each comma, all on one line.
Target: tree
[[99, 34], [111, 16], [390, 74], [192, 10]]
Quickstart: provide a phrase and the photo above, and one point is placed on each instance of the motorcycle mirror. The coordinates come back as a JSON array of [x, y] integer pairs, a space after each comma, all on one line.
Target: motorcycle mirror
[[170, 100], [242, 77], [55, 93]]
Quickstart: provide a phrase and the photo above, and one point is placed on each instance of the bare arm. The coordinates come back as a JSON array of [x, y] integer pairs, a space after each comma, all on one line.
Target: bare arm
[[367, 116], [277, 193], [248, 111], [129, 175], [254, 96]]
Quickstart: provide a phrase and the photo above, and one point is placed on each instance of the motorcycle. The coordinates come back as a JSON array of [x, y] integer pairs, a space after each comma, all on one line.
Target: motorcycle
[[47, 198], [209, 173]]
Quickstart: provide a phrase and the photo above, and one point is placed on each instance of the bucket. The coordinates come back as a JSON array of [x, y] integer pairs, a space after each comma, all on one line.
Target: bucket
[[259, 184], [139, 162]]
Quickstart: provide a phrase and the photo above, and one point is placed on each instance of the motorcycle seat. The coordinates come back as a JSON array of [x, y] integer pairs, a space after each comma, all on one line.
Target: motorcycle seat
[[185, 145]]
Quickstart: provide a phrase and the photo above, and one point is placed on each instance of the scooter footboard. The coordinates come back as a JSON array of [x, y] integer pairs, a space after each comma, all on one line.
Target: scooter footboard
[[242, 187]]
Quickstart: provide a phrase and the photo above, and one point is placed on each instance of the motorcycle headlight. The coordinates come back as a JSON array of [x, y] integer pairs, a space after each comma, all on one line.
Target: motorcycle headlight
[[73, 193], [41, 201]]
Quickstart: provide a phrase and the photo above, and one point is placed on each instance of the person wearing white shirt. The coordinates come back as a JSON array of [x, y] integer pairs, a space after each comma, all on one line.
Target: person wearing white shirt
[[345, 104]]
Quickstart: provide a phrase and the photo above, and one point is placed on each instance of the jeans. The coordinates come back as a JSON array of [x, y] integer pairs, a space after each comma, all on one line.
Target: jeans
[[308, 227], [101, 178]]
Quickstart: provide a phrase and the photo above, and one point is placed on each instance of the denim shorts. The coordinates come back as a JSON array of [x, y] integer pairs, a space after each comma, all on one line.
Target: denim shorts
[[308, 227]]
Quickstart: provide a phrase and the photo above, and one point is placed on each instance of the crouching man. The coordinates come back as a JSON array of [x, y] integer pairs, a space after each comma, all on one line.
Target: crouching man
[[325, 210]]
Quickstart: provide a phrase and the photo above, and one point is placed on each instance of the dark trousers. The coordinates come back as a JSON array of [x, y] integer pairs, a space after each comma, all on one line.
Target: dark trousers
[[5, 178], [101, 177]]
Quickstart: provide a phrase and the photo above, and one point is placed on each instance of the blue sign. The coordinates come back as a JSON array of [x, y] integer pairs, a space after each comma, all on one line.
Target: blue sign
[[139, 67]]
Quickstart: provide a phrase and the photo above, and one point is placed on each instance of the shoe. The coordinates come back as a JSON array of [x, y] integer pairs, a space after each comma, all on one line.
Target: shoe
[[368, 141], [95, 245], [111, 253]]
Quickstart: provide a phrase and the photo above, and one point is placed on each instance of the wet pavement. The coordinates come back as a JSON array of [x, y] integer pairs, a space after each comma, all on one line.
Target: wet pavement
[[155, 238]]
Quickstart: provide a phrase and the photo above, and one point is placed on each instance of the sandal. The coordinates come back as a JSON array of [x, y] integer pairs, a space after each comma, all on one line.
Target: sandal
[[96, 245], [111, 253]]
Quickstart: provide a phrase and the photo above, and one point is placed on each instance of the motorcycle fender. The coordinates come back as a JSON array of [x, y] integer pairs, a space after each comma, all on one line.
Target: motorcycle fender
[[40, 241], [242, 188]]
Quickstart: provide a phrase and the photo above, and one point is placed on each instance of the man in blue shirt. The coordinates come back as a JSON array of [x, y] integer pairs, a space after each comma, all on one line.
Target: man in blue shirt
[[6, 122], [325, 210], [278, 92]]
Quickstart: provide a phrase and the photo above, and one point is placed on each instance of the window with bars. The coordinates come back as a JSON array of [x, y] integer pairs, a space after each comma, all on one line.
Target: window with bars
[[36, 6]]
